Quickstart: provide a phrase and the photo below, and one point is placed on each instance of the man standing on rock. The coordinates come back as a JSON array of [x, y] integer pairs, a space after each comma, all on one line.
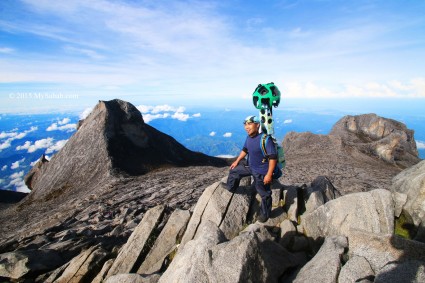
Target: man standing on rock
[[259, 166]]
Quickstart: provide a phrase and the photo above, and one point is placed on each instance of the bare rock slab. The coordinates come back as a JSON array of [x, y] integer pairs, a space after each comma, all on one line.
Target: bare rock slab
[[189, 262], [379, 249], [411, 182], [367, 211], [326, 264], [83, 268], [128, 257], [166, 242], [356, 269], [250, 257]]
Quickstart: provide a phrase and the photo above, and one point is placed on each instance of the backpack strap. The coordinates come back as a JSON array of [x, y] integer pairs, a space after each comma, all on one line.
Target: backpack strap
[[263, 143]]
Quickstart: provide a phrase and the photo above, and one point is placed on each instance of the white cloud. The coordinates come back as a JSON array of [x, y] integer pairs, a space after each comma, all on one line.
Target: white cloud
[[213, 134], [14, 135], [4, 168], [17, 175], [420, 144], [149, 117], [57, 146], [21, 187], [144, 108], [4, 135], [415, 88], [17, 181], [64, 121], [164, 111], [227, 135], [67, 127], [287, 121], [15, 165], [43, 143], [86, 113], [2, 181], [167, 108], [5, 144], [180, 116]]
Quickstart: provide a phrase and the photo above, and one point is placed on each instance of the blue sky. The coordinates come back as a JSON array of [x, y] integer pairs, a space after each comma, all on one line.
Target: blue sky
[[67, 55]]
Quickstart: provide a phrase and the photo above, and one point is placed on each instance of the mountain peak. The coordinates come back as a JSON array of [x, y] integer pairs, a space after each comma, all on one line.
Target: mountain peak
[[112, 141]]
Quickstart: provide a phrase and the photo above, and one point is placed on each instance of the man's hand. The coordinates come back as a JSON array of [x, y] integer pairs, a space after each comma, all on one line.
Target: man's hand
[[234, 164], [268, 179]]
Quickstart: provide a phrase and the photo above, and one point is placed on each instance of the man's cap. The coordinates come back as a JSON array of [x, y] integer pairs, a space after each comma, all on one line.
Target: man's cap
[[251, 119]]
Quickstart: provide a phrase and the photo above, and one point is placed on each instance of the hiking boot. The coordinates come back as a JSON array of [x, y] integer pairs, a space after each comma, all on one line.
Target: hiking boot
[[262, 218], [223, 185]]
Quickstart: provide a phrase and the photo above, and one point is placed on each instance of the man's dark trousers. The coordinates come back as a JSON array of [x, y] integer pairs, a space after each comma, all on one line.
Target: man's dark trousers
[[243, 170]]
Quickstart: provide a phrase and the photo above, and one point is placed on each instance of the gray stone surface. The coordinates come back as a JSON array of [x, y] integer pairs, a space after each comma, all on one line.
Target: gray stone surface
[[400, 200], [250, 257], [189, 263], [380, 249], [356, 269], [407, 271], [369, 211], [84, 267], [103, 272], [17, 264], [166, 242], [291, 203], [388, 139], [130, 253], [235, 213], [314, 201], [348, 156], [326, 264], [195, 219], [287, 232], [126, 278], [411, 182]]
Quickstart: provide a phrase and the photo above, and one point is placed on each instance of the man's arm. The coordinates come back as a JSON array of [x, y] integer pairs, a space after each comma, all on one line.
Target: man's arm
[[240, 157], [269, 176]]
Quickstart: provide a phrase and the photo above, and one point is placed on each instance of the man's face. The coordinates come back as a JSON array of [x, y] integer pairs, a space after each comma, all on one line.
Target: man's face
[[251, 128]]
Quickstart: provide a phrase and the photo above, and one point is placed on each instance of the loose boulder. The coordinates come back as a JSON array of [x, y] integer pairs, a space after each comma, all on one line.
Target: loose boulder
[[18, 264], [189, 263], [368, 211], [326, 264], [410, 183]]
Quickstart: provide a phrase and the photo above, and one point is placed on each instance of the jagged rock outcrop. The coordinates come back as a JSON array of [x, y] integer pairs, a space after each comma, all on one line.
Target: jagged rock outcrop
[[35, 172], [112, 140], [388, 139], [326, 264], [356, 269], [369, 211], [361, 153], [83, 267], [409, 190]]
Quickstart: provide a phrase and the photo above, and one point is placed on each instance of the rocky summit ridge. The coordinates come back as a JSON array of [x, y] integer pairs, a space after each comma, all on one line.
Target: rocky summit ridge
[[122, 202]]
